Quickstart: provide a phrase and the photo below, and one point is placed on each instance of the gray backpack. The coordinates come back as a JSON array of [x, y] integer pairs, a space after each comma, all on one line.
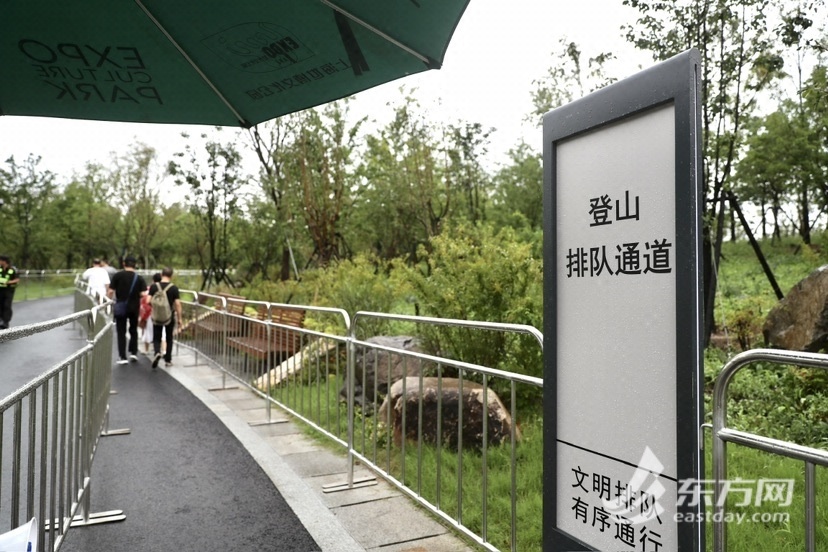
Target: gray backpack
[[161, 310]]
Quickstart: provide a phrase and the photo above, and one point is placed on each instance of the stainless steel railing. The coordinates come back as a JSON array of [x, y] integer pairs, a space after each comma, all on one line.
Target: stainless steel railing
[[51, 425], [50, 428], [722, 434], [318, 372]]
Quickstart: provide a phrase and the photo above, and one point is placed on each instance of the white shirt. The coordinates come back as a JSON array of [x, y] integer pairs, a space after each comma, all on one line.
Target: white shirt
[[97, 279]]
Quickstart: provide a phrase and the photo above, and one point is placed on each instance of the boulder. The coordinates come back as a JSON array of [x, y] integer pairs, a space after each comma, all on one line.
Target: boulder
[[375, 370], [449, 398], [799, 322]]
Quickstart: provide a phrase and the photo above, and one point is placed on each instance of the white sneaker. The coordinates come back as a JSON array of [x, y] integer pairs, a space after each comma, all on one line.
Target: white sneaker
[[121, 361], [133, 358]]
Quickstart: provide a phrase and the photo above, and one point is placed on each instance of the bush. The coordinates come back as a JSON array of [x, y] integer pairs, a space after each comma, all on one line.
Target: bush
[[472, 273], [363, 283]]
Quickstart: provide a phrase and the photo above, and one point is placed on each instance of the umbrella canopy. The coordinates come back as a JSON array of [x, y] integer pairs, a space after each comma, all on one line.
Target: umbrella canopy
[[217, 62]]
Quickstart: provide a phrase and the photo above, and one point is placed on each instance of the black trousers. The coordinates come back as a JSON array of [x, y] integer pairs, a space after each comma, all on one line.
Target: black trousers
[[6, 298], [121, 331], [166, 333]]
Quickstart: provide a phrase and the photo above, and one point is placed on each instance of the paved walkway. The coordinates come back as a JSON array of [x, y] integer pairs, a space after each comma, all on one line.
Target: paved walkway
[[195, 473]]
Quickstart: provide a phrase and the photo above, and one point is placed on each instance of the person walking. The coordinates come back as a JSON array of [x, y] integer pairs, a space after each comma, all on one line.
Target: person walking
[[109, 269], [165, 314], [97, 280], [8, 283], [127, 287], [145, 318]]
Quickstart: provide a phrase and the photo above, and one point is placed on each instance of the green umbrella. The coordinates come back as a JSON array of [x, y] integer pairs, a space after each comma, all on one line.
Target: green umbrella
[[217, 62]]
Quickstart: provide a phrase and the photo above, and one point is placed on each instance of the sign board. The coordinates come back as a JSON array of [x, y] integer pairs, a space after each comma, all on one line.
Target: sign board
[[622, 315]]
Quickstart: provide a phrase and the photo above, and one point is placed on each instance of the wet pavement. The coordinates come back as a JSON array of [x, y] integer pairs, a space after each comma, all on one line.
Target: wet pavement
[[198, 471]]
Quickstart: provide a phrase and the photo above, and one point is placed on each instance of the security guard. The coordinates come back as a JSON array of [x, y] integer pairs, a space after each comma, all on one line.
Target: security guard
[[8, 283]]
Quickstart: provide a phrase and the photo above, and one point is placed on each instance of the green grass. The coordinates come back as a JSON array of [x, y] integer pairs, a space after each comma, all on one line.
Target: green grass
[[780, 402], [459, 496], [771, 535], [36, 287]]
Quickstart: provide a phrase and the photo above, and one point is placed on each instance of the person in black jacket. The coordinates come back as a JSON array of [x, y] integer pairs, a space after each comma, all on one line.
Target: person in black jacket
[[164, 330], [127, 286]]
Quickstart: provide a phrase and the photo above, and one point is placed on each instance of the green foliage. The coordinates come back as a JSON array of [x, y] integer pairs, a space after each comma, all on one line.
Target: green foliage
[[364, 283], [26, 191], [569, 77], [780, 402], [473, 273], [518, 198], [745, 297], [213, 177], [743, 316]]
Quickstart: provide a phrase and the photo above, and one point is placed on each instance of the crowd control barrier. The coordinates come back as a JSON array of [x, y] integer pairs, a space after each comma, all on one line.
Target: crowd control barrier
[[50, 429]]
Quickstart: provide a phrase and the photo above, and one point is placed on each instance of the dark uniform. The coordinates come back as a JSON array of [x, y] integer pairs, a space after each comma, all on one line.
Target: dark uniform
[[129, 286], [8, 283]]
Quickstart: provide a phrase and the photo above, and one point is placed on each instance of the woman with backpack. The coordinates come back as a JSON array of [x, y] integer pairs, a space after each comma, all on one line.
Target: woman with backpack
[[166, 311]]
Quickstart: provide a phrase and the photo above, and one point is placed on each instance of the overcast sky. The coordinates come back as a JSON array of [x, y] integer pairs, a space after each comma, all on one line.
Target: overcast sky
[[498, 49]]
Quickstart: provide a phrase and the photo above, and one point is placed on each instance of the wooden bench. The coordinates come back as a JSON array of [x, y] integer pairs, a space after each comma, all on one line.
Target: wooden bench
[[284, 342], [213, 323]]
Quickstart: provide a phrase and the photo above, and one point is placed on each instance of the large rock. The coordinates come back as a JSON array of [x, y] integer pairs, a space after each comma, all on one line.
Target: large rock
[[447, 396], [375, 370], [799, 322]]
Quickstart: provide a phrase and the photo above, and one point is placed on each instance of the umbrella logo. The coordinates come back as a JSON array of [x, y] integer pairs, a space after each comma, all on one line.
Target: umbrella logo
[[258, 47]]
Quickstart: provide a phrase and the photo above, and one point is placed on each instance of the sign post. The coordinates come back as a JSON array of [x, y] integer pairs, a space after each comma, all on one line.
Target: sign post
[[622, 316]]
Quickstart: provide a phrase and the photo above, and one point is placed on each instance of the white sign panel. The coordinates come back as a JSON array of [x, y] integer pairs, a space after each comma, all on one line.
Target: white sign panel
[[616, 352]]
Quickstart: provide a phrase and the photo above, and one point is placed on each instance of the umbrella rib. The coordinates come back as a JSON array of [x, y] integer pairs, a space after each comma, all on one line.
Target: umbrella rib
[[425, 59], [197, 69]]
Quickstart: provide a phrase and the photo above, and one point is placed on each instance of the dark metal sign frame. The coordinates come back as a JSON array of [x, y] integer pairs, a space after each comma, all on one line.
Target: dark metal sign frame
[[673, 82]]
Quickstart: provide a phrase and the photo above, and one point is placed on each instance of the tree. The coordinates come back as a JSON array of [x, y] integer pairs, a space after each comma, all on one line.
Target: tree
[[319, 163], [740, 59], [214, 180], [465, 148], [403, 197], [271, 147], [258, 235], [138, 197], [569, 77], [518, 190], [765, 173], [815, 106], [25, 191], [87, 217]]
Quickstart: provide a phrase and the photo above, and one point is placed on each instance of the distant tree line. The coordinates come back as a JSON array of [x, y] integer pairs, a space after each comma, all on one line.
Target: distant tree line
[[328, 189]]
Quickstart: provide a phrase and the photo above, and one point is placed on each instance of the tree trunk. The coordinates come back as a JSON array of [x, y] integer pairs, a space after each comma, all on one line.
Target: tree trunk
[[805, 217], [284, 273], [756, 249], [712, 252]]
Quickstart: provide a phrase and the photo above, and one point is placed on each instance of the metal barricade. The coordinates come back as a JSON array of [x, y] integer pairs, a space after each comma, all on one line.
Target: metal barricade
[[722, 435], [427, 488], [50, 429], [262, 345], [312, 375]]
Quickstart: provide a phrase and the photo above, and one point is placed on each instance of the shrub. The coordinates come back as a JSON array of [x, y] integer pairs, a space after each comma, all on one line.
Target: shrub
[[363, 283], [472, 273]]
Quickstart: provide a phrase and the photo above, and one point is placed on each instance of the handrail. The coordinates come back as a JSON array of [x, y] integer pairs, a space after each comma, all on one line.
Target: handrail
[[58, 419], [722, 435], [472, 324], [299, 383]]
